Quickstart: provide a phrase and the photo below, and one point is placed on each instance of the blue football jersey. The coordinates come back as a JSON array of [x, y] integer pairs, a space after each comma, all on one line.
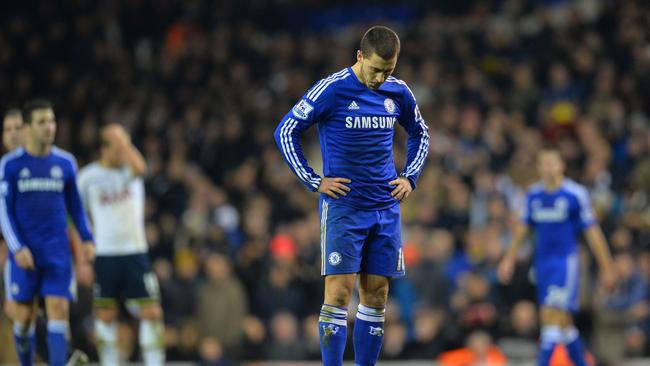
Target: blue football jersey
[[37, 194], [557, 218], [356, 128]]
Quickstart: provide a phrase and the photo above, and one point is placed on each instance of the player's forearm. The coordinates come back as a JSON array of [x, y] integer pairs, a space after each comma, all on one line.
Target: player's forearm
[[417, 151], [287, 140], [134, 159], [598, 245], [521, 231]]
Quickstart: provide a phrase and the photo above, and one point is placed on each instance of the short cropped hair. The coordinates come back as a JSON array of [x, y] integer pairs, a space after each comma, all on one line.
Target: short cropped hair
[[380, 40], [33, 105]]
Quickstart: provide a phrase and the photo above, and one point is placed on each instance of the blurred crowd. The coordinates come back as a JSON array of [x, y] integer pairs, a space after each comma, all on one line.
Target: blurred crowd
[[234, 237]]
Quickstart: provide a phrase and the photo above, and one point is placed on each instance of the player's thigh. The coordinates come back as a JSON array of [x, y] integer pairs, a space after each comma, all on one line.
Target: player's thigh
[[141, 284], [343, 233], [338, 288], [23, 312], [57, 307], [106, 313], [555, 316], [557, 284], [57, 280], [373, 289], [109, 273], [21, 284], [383, 254]]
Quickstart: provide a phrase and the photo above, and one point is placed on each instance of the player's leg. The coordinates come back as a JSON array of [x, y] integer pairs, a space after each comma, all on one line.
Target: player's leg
[[106, 334], [21, 285], [143, 294], [57, 309], [24, 331], [333, 318], [108, 272], [343, 231], [58, 287], [557, 290], [369, 325], [383, 260]]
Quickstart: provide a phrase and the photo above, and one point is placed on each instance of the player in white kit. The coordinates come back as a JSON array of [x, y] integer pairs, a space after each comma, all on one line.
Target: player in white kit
[[112, 190]]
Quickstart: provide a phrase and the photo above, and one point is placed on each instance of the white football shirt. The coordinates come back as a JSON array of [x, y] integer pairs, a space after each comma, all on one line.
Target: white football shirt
[[114, 199]]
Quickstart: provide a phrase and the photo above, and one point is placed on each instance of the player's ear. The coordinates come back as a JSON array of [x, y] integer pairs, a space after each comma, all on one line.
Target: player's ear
[[359, 56]]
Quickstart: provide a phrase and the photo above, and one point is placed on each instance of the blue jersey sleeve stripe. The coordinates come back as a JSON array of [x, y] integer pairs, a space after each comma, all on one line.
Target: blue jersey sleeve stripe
[[7, 228], [417, 163], [291, 155], [580, 192], [286, 149], [328, 84], [319, 85]]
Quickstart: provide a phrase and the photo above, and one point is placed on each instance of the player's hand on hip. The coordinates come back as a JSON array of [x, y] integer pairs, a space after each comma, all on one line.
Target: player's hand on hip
[[505, 270], [89, 251], [334, 187], [402, 189], [24, 258]]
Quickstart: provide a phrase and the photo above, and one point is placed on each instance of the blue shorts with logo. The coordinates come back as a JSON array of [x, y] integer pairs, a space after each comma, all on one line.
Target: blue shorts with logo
[[360, 241], [557, 282], [51, 278]]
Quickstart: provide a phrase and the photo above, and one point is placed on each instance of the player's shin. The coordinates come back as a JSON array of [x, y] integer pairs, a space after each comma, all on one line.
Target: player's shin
[[368, 335], [57, 342], [550, 337], [152, 342], [332, 327], [574, 346], [24, 336], [106, 335]]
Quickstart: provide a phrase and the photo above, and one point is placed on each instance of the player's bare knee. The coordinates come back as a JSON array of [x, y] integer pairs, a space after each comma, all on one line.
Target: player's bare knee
[[57, 308], [151, 312], [106, 314]]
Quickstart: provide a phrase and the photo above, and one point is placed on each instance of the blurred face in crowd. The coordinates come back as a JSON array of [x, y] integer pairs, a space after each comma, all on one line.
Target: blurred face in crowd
[[550, 165], [374, 69], [42, 128], [12, 131]]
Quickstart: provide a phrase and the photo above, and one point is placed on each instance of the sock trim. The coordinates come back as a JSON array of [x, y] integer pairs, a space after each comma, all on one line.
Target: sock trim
[[373, 315], [57, 326], [20, 331], [571, 334], [551, 334]]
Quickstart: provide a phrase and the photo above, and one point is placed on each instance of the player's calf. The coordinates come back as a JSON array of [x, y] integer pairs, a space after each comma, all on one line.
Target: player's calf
[[57, 329], [106, 335], [152, 334], [369, 325]]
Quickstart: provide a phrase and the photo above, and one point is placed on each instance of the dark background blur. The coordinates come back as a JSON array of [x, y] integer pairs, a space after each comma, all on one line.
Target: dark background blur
[[233, 236]]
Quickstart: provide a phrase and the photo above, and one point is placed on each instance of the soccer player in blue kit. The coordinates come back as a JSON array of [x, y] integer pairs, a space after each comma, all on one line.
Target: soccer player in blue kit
[[558, 210], [356, 110], [38, 189]]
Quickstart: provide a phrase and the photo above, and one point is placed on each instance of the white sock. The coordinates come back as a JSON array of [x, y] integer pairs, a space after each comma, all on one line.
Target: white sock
[[152, 342], [106, 335]]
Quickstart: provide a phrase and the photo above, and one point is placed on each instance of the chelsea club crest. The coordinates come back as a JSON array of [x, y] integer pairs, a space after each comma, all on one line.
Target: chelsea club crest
[[389, 105]]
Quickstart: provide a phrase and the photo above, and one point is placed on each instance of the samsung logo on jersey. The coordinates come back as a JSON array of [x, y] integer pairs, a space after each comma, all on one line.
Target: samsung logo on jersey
[[559, 211], [40, 184], [370, 122]]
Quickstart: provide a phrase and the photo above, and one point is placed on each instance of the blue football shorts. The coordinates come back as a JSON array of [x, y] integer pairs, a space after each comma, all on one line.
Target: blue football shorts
[[360, 241]]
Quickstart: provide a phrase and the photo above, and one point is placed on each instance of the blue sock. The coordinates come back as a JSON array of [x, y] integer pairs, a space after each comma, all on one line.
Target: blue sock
[[333, 330], [574, 346], [551, 336], [57, 342], [25, 343], [368, 335]]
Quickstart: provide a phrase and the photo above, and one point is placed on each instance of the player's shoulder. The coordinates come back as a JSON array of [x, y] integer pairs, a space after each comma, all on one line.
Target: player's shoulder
[[398, 84], [10, 158], [64, 155], [574, 188], [89, 170], [327, 84], [535, 189]]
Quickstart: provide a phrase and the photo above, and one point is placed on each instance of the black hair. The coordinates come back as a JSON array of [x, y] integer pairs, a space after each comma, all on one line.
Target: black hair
[[33, 105]]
